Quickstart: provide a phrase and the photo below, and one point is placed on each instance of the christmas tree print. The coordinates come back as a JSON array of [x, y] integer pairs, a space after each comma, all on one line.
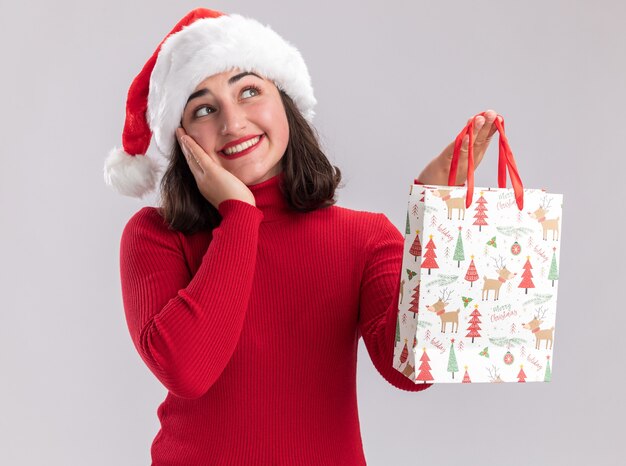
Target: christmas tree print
[[466, 377], [471, 275], [481, 212], [459, 255], [446, 252], [416, 247], [521, 376], [548, 376], [461, 345], [554, 273], [527, 276], [407, 230], [429, 261], [452, 365], [468, 235], [474, 321], [415, 301], [424, 369]]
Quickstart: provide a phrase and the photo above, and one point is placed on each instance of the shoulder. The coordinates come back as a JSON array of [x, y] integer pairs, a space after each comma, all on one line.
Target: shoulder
[[146, 217], [372, 225], [351, 215], [147, 223]]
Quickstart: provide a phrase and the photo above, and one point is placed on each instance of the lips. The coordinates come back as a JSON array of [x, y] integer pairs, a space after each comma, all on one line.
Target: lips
[[243, 152], [238, 141]]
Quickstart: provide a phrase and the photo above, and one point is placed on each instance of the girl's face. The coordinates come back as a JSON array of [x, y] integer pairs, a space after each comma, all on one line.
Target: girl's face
[[242, 108]]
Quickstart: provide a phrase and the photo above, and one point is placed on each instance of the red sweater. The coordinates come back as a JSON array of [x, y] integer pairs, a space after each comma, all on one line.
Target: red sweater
[[253, 328]]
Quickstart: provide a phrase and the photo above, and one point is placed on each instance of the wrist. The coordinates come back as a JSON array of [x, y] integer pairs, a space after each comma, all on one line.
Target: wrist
[[437, 173]]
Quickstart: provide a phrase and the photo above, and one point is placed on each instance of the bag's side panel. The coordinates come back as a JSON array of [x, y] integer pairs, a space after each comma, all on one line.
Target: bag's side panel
[[408, 306]]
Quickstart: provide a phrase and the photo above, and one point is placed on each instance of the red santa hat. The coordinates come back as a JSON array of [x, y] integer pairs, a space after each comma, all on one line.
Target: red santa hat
[[203, 43]]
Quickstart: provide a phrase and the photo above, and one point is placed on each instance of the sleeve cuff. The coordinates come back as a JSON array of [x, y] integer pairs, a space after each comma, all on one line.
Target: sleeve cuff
[[230, 207]]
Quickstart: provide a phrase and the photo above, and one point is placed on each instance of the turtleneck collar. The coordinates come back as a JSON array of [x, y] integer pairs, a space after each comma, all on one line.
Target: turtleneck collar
[[270, 200]]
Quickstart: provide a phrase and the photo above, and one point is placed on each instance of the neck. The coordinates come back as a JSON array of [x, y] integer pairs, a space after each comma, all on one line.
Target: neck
[[270, 200]]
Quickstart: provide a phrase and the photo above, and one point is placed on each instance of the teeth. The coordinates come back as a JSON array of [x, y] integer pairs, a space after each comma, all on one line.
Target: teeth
[[242, 146]]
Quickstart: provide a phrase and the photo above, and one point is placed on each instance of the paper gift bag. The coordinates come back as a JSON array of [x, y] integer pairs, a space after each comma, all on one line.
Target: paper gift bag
[[479, 279]]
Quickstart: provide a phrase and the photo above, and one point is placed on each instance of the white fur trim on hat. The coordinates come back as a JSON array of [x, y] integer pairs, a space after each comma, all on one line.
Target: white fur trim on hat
[[130, 175], [214, 45]]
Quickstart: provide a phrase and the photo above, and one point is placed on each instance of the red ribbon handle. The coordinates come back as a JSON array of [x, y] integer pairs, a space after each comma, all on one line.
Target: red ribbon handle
[[505, 160]]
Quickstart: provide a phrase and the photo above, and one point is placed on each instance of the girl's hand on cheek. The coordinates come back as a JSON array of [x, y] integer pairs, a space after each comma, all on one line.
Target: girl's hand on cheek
[[214, 182]]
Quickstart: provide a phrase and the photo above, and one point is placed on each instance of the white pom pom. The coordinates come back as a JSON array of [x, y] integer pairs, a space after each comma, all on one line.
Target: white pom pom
[[130, 175]]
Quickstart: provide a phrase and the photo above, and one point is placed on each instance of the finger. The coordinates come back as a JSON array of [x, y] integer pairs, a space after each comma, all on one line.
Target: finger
[[206, 160], [483, 127], [489, 128], [193, 161], [180, 133]]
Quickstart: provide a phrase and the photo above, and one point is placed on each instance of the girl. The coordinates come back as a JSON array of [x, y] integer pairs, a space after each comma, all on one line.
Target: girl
[[247, 290]]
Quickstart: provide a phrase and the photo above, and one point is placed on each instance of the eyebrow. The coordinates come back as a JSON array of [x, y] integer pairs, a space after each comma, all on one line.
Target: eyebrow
[[232, 80]]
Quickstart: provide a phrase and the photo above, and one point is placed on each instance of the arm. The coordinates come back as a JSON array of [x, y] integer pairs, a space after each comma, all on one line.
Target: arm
[[378, 308], [186, 328]]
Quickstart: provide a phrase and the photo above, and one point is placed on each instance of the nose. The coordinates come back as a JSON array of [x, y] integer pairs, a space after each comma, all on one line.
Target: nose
[[232, 119]]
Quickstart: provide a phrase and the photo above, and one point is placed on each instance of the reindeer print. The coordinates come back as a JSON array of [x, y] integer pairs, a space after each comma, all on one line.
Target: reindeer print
[[451, 202], [546, 224], [450, 316], [495, 283], [533, 326], [494, 377]]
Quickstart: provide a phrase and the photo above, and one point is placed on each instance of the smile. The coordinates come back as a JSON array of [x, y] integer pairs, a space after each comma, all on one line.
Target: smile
[[243, 148]]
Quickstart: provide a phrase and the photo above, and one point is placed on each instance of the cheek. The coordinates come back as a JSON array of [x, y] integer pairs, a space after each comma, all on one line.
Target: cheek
[[277, 121], [204, 136]]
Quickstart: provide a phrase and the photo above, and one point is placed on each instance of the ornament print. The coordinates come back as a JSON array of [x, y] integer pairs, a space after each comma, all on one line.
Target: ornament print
[[508, 319]]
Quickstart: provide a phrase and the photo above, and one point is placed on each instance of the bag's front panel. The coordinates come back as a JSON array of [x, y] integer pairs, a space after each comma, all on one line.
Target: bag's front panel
[[488, 279]]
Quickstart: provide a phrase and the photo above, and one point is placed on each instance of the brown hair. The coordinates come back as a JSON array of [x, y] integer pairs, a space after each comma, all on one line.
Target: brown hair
[[309, 181]]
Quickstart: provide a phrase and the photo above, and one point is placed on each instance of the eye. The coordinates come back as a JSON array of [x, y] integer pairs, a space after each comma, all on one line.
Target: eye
[[196, 113], [252, 88]]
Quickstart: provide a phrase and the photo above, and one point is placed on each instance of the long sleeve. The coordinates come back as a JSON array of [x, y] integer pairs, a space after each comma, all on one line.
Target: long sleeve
[[378, 302], [186, 328]]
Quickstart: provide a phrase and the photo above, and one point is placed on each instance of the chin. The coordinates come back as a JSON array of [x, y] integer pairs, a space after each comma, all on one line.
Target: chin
[[252, 178]]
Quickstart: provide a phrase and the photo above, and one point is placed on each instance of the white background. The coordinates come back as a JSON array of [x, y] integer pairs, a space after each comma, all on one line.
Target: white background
[[395, 82]]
